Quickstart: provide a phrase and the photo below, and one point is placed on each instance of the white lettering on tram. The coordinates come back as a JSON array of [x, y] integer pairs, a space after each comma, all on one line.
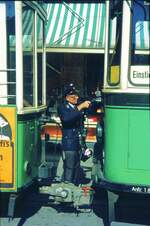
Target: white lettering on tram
[[140, 75], [141, 189], [136, 189]]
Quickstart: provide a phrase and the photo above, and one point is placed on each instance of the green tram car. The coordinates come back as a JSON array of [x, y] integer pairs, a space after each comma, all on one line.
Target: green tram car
[[22, 93], [127, 99]]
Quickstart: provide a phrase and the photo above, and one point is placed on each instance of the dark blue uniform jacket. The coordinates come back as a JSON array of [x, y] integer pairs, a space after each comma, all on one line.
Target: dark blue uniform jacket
[[72, 122]]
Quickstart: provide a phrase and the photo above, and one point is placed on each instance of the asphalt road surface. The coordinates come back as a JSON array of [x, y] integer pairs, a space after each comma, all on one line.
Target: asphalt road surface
[[35, 210], [41, 213], [47, 216]]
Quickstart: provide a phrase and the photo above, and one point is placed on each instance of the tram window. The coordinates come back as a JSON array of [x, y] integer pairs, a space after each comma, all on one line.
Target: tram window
[[114, 55], [39, 57], [28, 56], [140, 33], [11, 53], [11, 35], [8, 60]]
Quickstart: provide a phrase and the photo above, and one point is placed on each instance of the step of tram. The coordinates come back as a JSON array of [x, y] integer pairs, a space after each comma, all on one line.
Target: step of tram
[[125, 224]]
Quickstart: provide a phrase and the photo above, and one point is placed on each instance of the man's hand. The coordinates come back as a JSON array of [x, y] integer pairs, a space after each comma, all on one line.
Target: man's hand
[[84, 105]]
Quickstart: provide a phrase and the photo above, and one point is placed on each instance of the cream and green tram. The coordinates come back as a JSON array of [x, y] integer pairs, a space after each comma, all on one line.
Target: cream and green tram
[[127, 99], [22, 94]]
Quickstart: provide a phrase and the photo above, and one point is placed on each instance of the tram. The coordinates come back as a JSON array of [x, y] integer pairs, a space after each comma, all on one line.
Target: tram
[[124, 164], [127, 99], [22, 94]]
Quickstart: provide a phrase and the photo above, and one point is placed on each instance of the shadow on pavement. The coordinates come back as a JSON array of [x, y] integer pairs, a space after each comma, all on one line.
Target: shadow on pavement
[[129, 208], [133, 208], [100, 204]]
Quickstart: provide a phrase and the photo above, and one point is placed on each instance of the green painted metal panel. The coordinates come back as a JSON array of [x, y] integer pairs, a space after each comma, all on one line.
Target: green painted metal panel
[[139, 140], [127, 145], [29, 151]]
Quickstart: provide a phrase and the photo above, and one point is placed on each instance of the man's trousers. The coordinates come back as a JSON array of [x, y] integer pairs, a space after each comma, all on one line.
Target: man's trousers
[[71, 166]]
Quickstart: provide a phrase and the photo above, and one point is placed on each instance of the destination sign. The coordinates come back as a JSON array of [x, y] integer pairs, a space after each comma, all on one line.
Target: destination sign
[[140, 75]]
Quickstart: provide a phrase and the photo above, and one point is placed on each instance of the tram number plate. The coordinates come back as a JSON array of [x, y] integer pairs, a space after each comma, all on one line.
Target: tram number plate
[[6, 162], [140, 189]]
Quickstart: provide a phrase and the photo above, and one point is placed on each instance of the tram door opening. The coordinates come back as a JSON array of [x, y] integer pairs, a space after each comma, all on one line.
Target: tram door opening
[[85, 71]]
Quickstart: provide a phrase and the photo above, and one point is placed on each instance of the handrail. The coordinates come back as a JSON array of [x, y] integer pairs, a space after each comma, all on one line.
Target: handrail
[[5, 70], [3, 93], [8, 96], [6, 83]]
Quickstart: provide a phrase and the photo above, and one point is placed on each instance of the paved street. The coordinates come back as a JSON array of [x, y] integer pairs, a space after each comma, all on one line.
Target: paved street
[[36, 211], [47, 216]]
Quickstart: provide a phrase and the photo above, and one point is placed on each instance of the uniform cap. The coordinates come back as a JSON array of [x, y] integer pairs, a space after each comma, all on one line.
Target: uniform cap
[[70, 90]]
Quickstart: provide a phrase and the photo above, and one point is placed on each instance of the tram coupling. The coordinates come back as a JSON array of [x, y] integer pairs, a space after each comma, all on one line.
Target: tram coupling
[[80, 197]]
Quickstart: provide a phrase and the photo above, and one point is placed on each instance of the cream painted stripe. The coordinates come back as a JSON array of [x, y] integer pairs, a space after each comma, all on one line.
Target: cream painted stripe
[[113, 33], [51, 25], [60, 23], [103, 38], [48, 10], [103, 12], [76, 22], [67, 25], [81, 35], [90, 25], [146, 35], [98, 24]]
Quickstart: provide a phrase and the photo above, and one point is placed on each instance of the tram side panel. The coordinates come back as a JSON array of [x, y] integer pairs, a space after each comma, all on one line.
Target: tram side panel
[[28, 151], [20, 150], [126, 147]]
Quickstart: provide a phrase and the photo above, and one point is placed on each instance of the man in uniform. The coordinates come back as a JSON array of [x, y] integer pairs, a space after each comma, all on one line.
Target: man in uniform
[[71, 115]]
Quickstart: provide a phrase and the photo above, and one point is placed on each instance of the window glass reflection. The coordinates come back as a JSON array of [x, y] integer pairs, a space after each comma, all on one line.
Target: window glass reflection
[[39, 57], [28, 56]]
